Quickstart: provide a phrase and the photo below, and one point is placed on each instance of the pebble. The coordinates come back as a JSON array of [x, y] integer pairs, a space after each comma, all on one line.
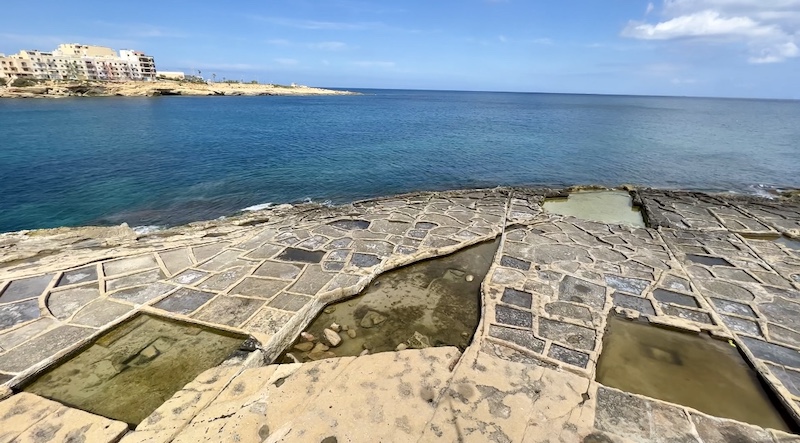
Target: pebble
[[321, 355], [320, 347], [401, 347], [329, 309], [333, 338], [335, 327], [345, 327], [364, 352], [469, 277], [351, 333], [307, 337], [304, 347]]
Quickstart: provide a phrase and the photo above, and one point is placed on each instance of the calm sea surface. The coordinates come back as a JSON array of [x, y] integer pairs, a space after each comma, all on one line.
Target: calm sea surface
[[170, 160]]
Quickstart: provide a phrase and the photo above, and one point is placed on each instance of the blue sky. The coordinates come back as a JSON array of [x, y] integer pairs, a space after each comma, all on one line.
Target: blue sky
[[735, 48]]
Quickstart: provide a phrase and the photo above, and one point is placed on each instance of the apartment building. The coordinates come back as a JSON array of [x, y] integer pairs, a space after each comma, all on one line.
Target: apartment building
[[78, 62]]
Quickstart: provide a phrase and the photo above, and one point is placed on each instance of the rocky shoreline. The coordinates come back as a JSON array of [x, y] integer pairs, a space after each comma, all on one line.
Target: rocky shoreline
[[723, 267], [158, 88]]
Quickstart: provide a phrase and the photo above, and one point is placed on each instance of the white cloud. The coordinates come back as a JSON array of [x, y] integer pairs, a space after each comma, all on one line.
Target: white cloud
[[777, 53], [769, 29], [286, 61], [650, 7], [702, 24], [329, 46]]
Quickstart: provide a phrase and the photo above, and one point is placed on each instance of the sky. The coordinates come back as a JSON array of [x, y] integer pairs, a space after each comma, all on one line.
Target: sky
[[718, 48]]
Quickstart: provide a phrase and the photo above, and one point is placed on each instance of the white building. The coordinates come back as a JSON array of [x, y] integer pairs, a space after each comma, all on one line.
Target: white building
[[78, 62]]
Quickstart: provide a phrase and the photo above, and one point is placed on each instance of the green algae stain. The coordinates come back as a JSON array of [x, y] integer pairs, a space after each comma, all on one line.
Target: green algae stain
[[132, 369]]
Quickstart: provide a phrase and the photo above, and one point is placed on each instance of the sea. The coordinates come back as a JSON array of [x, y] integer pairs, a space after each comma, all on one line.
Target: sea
[[165, 161]]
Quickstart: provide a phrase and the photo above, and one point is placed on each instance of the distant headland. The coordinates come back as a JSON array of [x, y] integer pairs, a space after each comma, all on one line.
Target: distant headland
[[76, 70]]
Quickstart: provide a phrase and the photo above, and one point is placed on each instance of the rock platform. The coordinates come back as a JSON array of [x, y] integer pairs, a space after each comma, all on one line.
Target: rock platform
[[706, 264]]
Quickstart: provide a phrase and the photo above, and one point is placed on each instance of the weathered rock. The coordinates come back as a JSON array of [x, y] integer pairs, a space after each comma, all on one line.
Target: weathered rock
[[320, 355], [304, 347], [320, 347], [371, 319], [332, 337], [419, 341], [307, 337], [335, 327]]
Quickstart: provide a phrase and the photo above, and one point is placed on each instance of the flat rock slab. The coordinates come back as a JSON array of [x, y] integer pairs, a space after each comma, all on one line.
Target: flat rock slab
[[391, 397], [101, 312], [12, 314], [29, 418], [25, 288], [641, 420], [184, 301], [129, 264], [493, 400], [76, 276], [42, 347], [228, 310], [63, 304]]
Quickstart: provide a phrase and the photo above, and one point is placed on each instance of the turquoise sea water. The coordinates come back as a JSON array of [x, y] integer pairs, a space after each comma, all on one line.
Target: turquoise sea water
[[170, 160]]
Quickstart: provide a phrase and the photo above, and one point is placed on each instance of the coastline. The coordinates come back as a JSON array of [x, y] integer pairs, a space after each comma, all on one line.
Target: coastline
[[704, 267], [159, 88], [53, 245]]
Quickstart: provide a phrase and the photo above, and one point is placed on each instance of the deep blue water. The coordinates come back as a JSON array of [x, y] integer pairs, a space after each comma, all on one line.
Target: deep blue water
[[170, 160]]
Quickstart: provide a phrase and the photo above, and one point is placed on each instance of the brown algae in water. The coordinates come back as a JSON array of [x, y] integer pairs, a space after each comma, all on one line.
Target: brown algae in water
[[435, 302], [614, 207], [692, 370]]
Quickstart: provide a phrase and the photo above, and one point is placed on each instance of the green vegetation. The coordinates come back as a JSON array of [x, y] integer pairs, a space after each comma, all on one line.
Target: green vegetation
[[23, 82], [194, 79]]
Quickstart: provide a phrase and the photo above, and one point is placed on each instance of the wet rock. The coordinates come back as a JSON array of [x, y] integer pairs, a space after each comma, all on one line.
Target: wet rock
[[401, 347], [469, 277], [419, 341], [319, 347], [321, 355], [372, 319], [332, 337], [351, 333], [307, 337], [304, 347]]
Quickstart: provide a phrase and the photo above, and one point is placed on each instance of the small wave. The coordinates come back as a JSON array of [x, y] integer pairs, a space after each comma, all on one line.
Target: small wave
[[148, 229], [260, 207], [765, 191]]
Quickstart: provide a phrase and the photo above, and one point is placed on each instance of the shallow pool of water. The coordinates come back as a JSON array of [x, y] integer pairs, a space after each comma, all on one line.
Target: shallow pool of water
[[134, 368], [434, 302], [614, 207], [692, 370]]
